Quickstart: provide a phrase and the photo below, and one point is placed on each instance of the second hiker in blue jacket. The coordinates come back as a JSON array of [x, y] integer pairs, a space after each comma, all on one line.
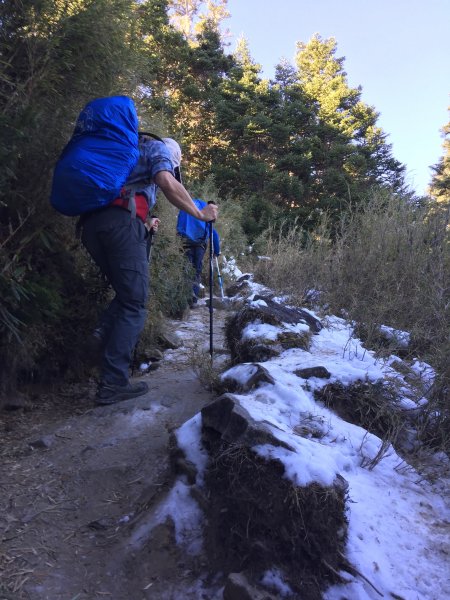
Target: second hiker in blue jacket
[[195, 235]]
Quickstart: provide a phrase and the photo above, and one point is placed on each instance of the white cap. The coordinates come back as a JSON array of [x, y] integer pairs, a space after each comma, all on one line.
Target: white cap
[[175, 151]]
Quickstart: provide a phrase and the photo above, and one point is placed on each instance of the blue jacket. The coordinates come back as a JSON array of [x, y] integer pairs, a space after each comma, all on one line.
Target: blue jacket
[[194, 231]]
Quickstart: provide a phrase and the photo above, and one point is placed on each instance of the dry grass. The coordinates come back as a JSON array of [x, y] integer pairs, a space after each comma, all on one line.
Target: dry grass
[[207, 369], [370, 405], [259, 349], [387, 265]]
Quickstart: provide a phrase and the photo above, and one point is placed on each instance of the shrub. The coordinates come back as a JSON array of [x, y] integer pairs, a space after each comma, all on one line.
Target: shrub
[[389, 264]]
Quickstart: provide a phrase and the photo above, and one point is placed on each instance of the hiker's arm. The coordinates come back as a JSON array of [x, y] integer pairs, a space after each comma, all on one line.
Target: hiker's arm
[[177, 195]]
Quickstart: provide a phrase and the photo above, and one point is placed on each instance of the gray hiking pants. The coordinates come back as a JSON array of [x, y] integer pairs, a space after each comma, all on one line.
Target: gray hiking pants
[[118, 245]]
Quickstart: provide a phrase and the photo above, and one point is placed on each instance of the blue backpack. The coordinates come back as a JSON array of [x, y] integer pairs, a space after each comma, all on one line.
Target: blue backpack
[[195, 232], [99, 157]]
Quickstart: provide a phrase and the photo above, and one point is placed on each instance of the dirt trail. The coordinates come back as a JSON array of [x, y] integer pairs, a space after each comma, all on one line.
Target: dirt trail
[[76, 510]]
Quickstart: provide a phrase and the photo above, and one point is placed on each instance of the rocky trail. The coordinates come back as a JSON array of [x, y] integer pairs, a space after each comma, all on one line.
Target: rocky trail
[[83, 488], [263, 484]]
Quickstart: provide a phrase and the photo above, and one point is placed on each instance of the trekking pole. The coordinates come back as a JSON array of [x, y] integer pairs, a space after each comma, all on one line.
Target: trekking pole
[[149, 245], [151, 235], [211, 285], [219, 276]]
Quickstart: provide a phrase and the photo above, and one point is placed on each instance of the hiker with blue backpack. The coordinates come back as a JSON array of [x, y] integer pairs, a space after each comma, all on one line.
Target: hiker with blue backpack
[[195, 235], [109, 175]]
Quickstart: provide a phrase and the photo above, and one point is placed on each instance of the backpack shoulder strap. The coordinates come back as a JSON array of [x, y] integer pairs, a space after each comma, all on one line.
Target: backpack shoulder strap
[[152, 135]]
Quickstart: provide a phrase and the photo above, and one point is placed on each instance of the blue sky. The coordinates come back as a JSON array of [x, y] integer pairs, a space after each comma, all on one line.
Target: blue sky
[[397, 50]]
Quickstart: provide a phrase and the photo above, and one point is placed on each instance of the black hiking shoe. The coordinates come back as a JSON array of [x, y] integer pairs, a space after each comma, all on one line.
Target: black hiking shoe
[[109, 393]]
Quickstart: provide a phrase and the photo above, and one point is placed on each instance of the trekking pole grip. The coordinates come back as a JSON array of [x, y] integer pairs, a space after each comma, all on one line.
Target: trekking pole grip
[[213, 221]]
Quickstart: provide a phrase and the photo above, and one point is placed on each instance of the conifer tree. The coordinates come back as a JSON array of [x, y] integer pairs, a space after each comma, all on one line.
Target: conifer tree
[[440, 183], [191, 16], [242, 166], [295, 119], [194, 102], [351, 152]]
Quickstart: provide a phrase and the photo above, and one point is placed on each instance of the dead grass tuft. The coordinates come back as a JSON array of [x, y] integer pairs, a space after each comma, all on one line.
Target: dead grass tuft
[[290, 339], [207, 370], [373, 406]]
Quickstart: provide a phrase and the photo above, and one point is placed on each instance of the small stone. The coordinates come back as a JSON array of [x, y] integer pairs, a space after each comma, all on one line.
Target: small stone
[[319, 372], [102, 523], [182, 466], [170, 341], [261, 376], [43, 443]]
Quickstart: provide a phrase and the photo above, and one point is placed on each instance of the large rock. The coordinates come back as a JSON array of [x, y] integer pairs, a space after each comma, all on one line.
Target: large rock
[[257, 518], [240, 288], [286, 314], [232, 421], [271, 313], [169, 341], [260, 376]]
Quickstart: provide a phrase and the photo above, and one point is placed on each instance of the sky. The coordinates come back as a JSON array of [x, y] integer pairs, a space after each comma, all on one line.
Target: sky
[[397, 50], [398, 521]]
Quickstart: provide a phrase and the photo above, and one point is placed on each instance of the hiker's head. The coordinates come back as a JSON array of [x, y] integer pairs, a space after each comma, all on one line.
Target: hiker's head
[[172, 146], [175, 156], [174, 150]]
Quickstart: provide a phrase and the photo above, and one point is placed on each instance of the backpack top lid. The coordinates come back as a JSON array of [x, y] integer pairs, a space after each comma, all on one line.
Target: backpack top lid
[[114, 117], [99, 157]]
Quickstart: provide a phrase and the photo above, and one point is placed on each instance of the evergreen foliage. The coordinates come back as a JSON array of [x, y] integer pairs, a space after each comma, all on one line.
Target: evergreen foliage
[[55, 56], [440, 183], [349, 153]]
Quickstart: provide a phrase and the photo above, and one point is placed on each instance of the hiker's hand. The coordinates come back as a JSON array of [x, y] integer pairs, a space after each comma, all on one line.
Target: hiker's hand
[[209, 213], [153, 224]]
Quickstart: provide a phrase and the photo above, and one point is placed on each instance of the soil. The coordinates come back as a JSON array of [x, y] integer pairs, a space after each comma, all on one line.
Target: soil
[[81, 485]]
